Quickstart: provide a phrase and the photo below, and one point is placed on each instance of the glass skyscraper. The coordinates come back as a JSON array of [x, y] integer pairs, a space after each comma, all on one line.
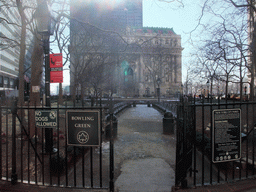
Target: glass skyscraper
[[114, 15]]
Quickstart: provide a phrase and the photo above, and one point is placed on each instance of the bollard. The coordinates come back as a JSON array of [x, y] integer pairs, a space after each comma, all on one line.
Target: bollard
[[149, 104], [107, 129], [57, 164], [14, 176], [134, 104], [168, 123]]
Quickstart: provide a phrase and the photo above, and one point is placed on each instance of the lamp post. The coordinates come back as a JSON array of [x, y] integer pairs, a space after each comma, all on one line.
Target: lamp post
[[158, 82], [43, 23], [245, 89], [208, 91]]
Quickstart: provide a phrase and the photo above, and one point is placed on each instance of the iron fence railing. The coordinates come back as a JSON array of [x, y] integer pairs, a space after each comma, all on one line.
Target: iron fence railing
[[205, 169], [22, 149]]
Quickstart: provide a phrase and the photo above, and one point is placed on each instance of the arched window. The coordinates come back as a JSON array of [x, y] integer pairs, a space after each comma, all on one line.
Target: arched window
[[130, 71]]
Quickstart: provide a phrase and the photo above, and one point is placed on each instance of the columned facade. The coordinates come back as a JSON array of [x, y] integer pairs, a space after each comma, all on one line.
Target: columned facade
[[136, 64], [157, 56]]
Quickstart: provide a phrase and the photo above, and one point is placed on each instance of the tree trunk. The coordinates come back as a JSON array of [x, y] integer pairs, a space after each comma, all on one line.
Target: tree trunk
[[22, 53], [60, 94], [36, 74], [227, 87], [252, 81]]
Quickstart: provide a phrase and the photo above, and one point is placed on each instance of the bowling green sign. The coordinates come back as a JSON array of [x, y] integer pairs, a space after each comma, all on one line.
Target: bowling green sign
[[83, 127]]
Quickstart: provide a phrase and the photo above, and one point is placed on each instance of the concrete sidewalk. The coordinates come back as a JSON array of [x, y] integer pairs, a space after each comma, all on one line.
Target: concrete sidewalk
[[248, 185], [152, 174], [21, 187]]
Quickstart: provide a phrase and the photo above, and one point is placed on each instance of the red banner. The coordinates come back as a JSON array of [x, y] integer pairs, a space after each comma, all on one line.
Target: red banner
[[56, 60], [56, 77]]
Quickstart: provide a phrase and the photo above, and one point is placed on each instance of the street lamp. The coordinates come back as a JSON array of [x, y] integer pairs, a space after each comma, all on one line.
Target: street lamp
[[44, 27], [245, 89], [158, 82], [208, 87]]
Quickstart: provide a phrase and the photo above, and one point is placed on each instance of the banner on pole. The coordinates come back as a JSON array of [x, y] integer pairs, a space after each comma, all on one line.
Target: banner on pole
[[56, 76], [56, 60]]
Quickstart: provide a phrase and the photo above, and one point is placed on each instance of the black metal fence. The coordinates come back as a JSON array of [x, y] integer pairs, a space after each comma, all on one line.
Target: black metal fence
[[196, 162], [23, 157]]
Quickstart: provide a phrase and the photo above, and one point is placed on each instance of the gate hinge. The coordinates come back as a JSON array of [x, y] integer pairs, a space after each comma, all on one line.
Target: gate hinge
[[193, 170]]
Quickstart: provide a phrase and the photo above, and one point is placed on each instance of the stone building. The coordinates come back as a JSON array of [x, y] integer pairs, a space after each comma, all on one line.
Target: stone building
[[111, 52], [156, 62], [146, 59]]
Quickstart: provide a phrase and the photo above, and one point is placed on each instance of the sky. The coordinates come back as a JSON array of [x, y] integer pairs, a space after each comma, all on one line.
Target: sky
[[169, 15], [173, 15]]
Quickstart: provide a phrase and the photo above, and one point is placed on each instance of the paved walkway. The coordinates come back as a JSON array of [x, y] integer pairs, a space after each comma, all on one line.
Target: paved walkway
[[144, 156], [152, 174], [248, 185]]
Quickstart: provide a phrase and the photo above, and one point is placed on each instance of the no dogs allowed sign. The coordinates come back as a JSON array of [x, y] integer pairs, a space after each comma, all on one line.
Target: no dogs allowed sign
[[83, 127]]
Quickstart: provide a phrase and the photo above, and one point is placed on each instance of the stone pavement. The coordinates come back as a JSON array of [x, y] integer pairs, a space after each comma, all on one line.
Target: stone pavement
[[248, 185], [8, 187], [144, 156], [152, 174]]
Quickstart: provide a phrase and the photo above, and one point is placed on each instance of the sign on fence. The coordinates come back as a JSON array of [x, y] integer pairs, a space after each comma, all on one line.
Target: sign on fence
[[83, 127], [46, 118], [226, 142]]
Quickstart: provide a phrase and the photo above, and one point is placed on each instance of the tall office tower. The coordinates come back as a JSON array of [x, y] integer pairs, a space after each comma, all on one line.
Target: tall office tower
[[10, 47], [114, 15], [9, 51]]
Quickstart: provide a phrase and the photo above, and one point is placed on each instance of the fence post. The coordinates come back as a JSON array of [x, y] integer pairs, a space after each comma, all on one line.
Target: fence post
[[14, 176], [111, 165]]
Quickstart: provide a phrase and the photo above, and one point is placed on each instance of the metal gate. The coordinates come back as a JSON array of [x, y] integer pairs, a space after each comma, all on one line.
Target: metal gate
[[184, 142], [196, 161], [25, 155]]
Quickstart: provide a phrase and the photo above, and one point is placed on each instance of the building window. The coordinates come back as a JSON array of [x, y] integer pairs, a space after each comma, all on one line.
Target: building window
[[175, 43], [1, 81], [167, 41], [167, 78], [12, 83], [6, 82]]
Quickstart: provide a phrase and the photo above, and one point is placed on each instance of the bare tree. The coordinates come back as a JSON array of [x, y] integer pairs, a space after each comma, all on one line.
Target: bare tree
[[94, 57], [224, 42], [61, 35], [230, 20]]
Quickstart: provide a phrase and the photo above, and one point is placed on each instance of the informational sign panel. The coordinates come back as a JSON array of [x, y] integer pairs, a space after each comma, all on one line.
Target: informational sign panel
[[226, 143], [46, 118], [56, 60], [83, 127], [56, 76], [35, 89]]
